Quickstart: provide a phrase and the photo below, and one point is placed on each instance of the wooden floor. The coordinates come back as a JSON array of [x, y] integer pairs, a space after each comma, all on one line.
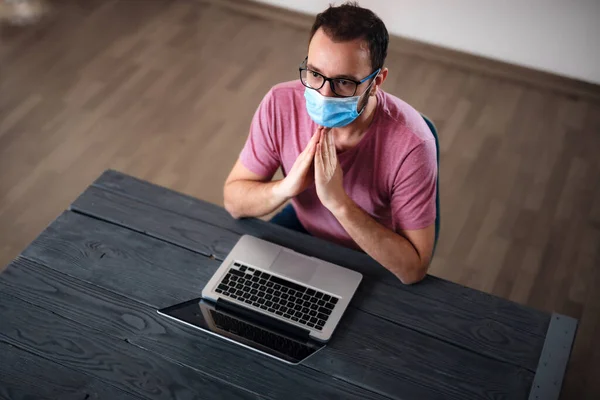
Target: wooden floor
[[165, 90]]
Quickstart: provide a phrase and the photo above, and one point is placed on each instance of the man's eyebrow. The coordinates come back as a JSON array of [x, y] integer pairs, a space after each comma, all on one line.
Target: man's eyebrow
[[350, 77]]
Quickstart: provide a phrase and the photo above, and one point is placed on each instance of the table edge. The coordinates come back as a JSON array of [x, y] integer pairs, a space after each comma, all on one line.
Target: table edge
[[556, 352]]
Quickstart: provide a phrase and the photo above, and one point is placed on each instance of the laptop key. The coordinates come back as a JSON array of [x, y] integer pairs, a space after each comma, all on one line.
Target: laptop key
[[270, 284], [288, 316], [278, 313], [247, 295], [277, 287], [290, 304], [261, 301], [313, 320], [256, 286], [311, 324], [271, 310], [253, 291], [305, 310], [263, 307], [285, 296], [269, 290], [255, 279], [284, 309], [297, 308], [305, 297], [218, 290], [242, 267], [325, 311], [294, 319], [277, 293], [330, 306], [284, 289], [334, 300], [303, 321], [321, 303], [253, 298], [236, 272], [276, 306], [298, 314], [310, 292], [326, 297], [322, 316], [320, 322], [314, 306], [257, 273], [222, 287], [312, 313], [318, 327], [319, 295], [233, 296], [268, 303], [262, 281]]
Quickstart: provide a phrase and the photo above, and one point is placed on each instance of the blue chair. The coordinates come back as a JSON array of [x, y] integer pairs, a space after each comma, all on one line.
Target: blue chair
[[437, 190]]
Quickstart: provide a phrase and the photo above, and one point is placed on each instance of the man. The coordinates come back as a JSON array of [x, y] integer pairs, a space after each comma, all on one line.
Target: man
[[359, 164]]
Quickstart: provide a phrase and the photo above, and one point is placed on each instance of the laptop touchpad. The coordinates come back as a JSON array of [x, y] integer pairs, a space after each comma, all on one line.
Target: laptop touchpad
[[295, 266]]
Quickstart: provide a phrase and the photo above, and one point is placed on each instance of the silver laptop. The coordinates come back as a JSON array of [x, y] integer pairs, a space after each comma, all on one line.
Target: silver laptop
[[272, 300]]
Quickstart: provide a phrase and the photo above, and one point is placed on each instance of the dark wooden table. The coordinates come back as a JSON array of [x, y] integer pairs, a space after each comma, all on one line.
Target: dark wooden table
[[78, 317]]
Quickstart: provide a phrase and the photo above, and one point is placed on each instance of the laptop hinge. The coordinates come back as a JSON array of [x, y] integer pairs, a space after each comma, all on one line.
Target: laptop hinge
[[263, 319]]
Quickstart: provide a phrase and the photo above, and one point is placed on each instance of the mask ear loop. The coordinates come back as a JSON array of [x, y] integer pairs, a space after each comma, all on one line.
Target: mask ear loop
[[368, 90]]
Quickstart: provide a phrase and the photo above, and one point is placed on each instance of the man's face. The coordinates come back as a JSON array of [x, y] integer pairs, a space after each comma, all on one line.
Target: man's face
[[348, 60]]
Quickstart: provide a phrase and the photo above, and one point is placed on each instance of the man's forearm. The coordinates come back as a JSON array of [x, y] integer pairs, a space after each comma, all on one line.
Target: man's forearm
[[251, 198], [388, 248]]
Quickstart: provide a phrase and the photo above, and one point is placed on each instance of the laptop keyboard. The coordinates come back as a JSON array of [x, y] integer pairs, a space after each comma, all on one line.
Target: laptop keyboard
[[278, 296]]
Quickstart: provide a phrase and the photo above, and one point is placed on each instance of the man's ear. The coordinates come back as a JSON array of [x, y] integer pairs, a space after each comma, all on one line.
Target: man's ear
[[381, 77]]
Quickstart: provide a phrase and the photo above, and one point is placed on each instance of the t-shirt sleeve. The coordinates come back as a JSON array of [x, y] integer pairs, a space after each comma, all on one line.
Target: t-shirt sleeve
[[414, 189], [260, 153]]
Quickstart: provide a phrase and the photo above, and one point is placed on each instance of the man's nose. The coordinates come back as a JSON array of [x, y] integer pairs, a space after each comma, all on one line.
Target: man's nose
[[326, 90]]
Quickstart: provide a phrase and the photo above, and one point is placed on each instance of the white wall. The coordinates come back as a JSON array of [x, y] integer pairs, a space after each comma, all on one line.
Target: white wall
[[559, 36]]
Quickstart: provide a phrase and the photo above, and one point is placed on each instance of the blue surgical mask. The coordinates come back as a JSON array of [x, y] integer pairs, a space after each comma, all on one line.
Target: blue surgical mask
[[331, 112]]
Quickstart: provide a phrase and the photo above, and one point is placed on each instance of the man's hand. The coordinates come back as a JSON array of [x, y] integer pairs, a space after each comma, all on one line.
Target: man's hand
[[300, 176], [329, 178]]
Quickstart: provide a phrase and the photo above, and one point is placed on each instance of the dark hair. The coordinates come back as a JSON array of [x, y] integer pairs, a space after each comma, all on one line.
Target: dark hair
[[349, 22]]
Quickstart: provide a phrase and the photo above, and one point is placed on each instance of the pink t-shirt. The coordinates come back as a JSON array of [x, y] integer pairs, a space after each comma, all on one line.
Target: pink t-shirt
[[391, 173]]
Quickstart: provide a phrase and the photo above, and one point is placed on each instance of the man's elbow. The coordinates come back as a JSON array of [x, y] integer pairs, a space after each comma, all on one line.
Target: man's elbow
[[230, 205], [413, 276]]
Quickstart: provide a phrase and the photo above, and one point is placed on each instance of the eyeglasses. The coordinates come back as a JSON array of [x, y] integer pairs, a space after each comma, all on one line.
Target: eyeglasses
[[342, 87]]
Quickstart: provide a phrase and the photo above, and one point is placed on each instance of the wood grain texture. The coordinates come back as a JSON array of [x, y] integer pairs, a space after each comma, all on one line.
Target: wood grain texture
[[140, 325], [119, 362], [467, 328], [28, 376], [66, 248], [166, 202]]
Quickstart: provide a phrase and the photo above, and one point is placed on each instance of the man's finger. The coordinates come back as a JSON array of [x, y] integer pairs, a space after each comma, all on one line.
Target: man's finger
[[332, 152]]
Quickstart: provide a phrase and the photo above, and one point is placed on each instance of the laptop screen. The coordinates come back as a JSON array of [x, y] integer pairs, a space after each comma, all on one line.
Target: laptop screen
[[232, 326]]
